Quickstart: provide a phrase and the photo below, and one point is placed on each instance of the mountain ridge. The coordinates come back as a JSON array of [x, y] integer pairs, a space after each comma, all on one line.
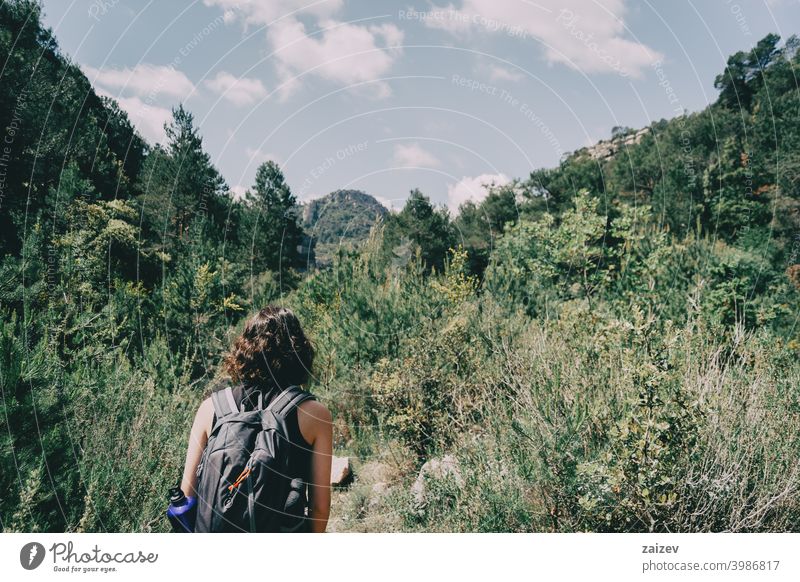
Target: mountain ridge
[[342, 217]]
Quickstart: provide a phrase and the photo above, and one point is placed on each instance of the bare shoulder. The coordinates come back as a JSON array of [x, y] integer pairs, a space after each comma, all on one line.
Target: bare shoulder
[[206, 408], [205, 415], [315, 421], [315, 411]]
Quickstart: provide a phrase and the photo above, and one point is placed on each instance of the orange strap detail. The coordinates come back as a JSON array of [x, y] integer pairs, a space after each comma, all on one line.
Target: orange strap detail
[[242, 476]]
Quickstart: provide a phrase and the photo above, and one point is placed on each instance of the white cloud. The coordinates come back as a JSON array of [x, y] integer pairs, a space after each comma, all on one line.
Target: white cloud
[[145, 80], [449, 18], [339, 52], [414, 155], [238, 90], [392, 36], [390, 203], [497, 73], [148, 119], [590, 36], [344, 53], [472, 188]]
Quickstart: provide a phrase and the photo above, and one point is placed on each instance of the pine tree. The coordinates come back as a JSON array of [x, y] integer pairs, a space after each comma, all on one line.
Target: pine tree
[[423, 226], [181, 187], [273, 232]]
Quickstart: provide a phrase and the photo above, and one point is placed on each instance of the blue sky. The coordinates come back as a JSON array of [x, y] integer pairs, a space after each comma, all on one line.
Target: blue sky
[[388, 96]]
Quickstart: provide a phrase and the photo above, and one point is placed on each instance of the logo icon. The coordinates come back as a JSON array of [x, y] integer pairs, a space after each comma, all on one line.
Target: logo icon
[[31, 555]]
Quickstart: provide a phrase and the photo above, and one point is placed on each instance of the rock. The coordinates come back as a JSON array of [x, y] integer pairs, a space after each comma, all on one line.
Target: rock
[[374, 477], [376, 495], [376, 472], [439, 469], [603, 150], [341, 472]]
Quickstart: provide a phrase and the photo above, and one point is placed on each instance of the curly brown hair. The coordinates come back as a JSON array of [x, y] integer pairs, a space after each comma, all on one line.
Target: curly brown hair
[[272, 350]]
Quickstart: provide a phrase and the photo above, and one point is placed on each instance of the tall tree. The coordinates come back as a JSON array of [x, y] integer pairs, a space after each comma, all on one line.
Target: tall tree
[[743, 74], [272, 228], [477, 226], [181, 188], [424, 227]]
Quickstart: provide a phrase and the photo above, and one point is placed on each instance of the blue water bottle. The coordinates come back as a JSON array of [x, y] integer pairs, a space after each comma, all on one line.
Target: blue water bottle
[[181, 511]]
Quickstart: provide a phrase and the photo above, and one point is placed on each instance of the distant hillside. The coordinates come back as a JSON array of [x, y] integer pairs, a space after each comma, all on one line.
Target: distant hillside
[[343, 217]]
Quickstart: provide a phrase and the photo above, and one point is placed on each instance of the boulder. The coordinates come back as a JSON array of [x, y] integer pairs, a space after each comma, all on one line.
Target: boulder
[[376, 472], [341, 472], [445, 468]]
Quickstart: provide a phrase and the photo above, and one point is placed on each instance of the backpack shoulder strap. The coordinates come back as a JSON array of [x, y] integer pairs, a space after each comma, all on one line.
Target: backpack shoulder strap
[[223, 402], [288, 400]]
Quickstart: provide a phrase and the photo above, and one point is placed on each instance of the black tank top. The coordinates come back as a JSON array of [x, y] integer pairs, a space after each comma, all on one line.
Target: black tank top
[[299, 450]]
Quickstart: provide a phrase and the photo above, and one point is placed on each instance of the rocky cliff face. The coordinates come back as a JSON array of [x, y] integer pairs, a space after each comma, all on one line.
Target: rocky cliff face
[[607, 149], [335, 204], [343, 217]]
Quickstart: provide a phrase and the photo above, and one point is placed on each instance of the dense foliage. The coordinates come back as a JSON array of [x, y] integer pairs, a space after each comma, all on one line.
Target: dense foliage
[[608, 345]]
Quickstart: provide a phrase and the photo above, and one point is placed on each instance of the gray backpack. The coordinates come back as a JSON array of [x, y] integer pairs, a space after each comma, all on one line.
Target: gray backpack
[[243, 482]]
